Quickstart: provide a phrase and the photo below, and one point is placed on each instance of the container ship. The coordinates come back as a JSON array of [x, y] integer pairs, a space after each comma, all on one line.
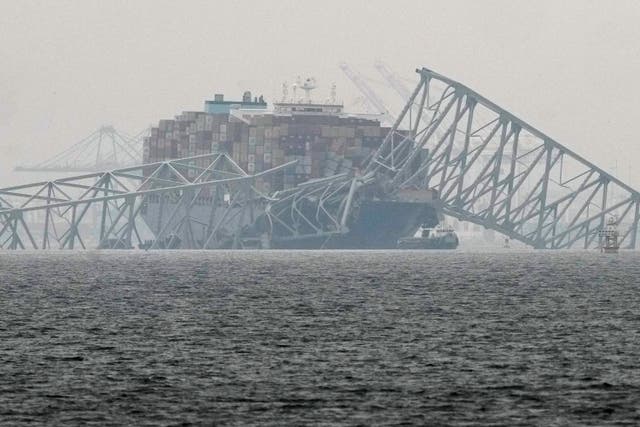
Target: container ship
[[321, 138]]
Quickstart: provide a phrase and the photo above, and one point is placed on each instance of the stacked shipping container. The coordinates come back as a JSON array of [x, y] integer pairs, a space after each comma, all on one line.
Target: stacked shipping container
[[322, 144]]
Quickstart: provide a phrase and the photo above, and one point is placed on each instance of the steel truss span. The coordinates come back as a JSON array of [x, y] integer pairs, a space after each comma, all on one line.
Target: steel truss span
[[493, 169], [105, 210], [485, 165]]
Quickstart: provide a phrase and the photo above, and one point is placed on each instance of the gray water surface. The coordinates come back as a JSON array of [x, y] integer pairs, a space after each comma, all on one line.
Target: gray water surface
[[332, 338]]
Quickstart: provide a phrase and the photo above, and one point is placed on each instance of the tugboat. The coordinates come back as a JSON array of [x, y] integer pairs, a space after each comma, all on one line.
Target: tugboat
[[439, 237]]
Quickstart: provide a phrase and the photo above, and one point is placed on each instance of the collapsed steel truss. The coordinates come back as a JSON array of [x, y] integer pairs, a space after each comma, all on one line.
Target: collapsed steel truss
[[487, 166], [320, 208], [106, 208], [492, 168]]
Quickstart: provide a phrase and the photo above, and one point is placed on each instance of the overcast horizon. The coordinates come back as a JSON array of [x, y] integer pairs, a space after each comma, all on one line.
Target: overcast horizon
[[568, 69]]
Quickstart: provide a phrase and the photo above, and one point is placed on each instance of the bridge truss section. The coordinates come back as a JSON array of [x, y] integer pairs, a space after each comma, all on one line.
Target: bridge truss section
[[318, 209], [491, 168], [114, 209]]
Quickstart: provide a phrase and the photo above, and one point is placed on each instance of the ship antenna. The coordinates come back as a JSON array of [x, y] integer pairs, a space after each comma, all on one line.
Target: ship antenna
[[308, 86], [285, 92], [295, 89]]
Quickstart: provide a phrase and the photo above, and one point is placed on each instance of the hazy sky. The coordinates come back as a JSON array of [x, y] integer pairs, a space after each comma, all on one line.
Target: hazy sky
[[570, 68]]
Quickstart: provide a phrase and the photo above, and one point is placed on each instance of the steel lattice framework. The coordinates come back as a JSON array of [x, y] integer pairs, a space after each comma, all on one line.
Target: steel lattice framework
[[486, 166], [494, 169], [60, 211], [320, 208]]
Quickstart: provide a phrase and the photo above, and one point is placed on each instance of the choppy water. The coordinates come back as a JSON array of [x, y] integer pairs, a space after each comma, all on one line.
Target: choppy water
[[275, 338]]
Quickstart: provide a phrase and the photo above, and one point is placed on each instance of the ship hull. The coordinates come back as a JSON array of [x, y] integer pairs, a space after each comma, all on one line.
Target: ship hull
[[376, 225]]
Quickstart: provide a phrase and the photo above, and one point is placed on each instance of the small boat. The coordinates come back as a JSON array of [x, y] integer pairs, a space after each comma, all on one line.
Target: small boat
[[438, 237]]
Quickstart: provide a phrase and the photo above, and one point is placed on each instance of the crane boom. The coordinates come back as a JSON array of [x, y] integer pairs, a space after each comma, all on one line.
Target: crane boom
[[393, 80], [366, 90]]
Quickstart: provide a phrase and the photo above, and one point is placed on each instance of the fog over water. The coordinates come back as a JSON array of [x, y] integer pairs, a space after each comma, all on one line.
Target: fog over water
[[569, 68]]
